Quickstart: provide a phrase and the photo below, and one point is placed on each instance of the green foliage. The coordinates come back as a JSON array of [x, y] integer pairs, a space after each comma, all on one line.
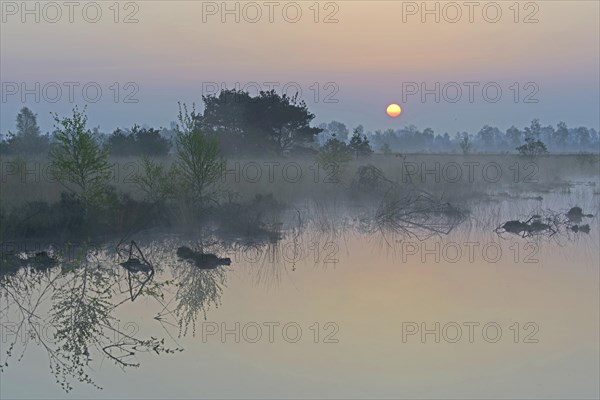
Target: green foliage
[[583, 136], [197, 291], [27, 139], [81, 310], [465, 143], [268, 122], [78, 299], [486, 136], [513, 135], [225, 113], [532, 148], [334, 156], [359, 144], [534, 130], [78, 161], [199, 164], [121, 143], [138, 141], [27, 122], [334, 151], [386, 149], [281, 121], [561, 134], [333, 129], [225, 116], [157, 183]]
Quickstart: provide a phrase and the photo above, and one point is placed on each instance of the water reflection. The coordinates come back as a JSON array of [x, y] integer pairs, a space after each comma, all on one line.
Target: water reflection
[[197, 290], [68, 309], [69, 306]]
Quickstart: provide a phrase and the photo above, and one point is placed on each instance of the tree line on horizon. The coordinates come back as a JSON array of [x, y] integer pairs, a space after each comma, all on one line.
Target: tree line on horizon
[[277, 125]]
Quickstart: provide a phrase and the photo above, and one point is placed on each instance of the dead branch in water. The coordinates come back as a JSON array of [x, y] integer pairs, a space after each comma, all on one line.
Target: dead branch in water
[[417, 214]]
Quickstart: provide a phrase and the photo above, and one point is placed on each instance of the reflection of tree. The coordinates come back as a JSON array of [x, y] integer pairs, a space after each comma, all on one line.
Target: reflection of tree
[[269, 262], [197, 290], [135, 265], [81, 311], [303, 236], [79, 323]]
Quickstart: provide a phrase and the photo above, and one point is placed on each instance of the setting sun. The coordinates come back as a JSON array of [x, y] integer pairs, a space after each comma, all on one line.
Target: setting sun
[[393, 110]]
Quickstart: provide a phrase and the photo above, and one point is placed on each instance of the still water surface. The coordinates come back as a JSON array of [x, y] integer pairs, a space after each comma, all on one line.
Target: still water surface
[[330, 310]]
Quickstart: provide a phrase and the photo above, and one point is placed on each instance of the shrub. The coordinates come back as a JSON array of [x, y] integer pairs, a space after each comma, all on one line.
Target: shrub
[[199, 163], [532, 148], [78, 161]]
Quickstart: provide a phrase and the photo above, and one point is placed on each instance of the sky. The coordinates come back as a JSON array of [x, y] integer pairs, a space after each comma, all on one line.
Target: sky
[[492, 63]]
